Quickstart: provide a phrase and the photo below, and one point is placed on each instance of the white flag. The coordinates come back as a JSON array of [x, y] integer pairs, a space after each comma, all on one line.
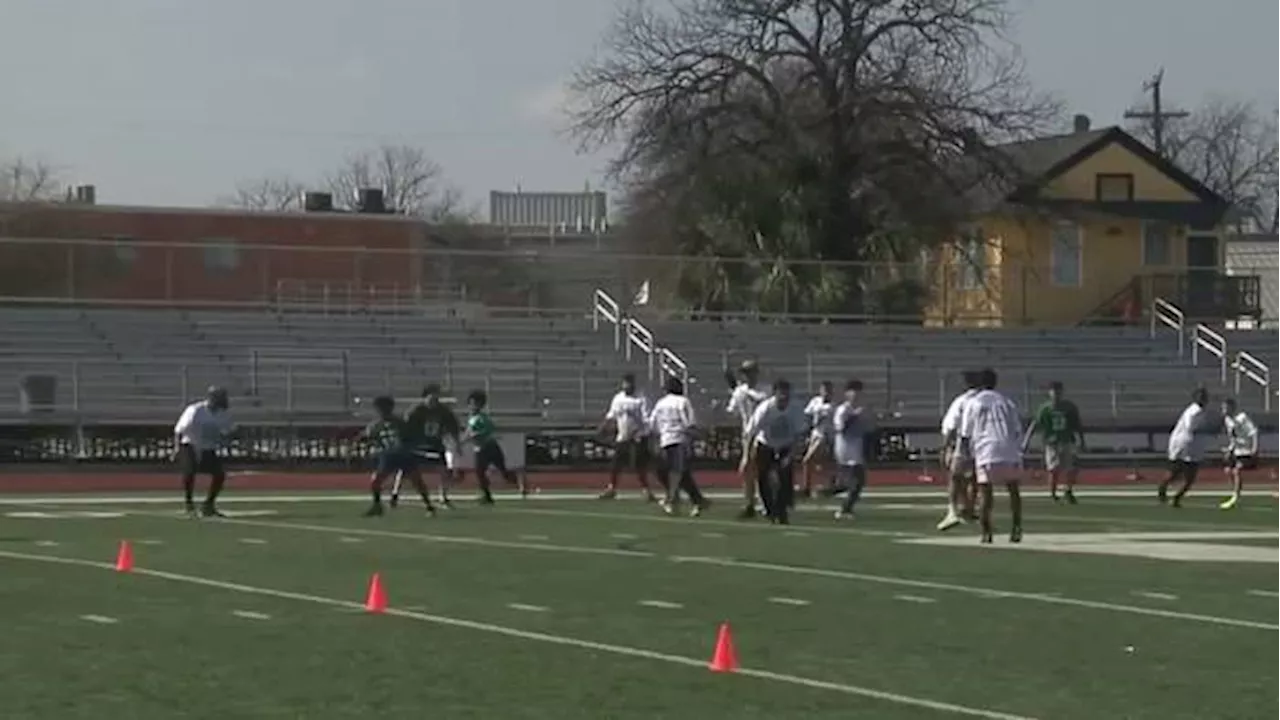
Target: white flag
[[642, 295]]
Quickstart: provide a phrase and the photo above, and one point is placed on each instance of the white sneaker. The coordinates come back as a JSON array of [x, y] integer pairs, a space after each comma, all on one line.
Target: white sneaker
[[950, 521], [842, 515]]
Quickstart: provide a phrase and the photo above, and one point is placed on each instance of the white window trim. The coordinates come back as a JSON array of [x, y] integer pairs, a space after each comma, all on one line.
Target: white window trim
[[1168, 238], [1053, 275]]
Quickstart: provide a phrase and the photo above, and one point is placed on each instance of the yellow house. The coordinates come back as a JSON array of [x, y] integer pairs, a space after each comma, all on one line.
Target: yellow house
[[1080, 227]]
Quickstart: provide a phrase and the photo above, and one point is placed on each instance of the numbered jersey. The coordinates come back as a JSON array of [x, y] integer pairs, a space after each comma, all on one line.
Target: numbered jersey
[[991, 423]]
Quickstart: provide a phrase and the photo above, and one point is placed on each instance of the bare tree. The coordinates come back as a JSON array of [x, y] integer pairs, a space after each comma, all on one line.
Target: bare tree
[[411, 181], [22, 180], [1230, 146], [802, 127], [278, 194]]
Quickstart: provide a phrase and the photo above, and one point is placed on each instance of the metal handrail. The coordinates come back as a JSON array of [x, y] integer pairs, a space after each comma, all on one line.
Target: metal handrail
[[1166, 313], [1203, 336], [1248, 366], [604, 306], [673, 365]]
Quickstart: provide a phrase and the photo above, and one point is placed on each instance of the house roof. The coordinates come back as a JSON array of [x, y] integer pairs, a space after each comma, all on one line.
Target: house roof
[[1015, 172]]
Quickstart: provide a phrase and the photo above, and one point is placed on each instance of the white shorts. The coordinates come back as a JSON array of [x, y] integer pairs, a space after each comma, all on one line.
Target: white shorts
[[817, 441], [1001, 473]]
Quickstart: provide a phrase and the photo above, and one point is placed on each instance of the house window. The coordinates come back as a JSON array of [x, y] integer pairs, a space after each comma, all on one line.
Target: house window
[[221, 254], [124, 250], [1157, 244], [1114, 187], [1066, 255], [973, 260]]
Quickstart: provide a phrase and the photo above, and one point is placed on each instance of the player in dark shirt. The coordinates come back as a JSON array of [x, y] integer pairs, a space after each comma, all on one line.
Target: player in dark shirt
[[434, 436], [390, 436]]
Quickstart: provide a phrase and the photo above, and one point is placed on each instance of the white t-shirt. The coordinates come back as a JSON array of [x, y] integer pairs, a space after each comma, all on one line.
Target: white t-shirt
[[851, 424], [819, 412], [951, 420], [1242, 434], [629, 413], [1190, 435], [201, 427], [743, 401], [778, 428], [990, 421], [673, 420]]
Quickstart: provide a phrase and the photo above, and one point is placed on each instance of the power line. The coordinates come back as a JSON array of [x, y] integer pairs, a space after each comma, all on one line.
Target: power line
[[1157, 115]]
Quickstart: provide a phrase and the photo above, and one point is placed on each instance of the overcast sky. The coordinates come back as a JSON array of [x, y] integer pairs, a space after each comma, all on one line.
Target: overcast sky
[[173, 102]]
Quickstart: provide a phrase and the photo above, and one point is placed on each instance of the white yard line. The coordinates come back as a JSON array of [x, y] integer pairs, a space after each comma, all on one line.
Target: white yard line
[[1155, 595], [794, 602], [552, 639], [661, 604], [770, 567], [985, 592], [528, 608], [1265, 593], [253, 541], [250, 615], [705, 521], [99, 619], [914, 599]]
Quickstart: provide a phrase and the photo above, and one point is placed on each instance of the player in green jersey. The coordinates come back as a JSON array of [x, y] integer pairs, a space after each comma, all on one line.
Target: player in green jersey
[[482, 434], [1057, 422]]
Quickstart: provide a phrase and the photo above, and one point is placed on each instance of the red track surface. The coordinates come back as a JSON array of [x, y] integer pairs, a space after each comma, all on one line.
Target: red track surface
[[41, 481]]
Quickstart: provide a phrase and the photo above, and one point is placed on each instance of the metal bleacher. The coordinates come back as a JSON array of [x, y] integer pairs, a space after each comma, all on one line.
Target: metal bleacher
[[146, 363]]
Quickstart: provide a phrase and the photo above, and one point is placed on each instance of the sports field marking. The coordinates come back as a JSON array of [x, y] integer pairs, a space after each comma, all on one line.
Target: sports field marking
[[760, 526], [528, 608], [792, 569], [796, 533], [712, 535], [548, 638], [1265, 593], [1155, 595], [661, 604], [794, 602], [534, 538], [250, 615], [986, 592], [149, 541], [914, 599], [446, 539], [349, 539], [99, 619], [46, 543], [253, 541], [623, 536]]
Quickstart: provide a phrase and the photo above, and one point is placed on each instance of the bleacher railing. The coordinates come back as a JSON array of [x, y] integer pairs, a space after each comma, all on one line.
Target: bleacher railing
[[1251, 368], [347, 297], [1205, 340], [1165, 313], [630, 335]]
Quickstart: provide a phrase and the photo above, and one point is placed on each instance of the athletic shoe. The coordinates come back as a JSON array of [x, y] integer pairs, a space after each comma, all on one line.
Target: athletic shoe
[[842, 515], [394, 502], [1230, 502], [949, 521], [609, 494], [210, 511], [1071, 498], [1015, 535], [375, 510]]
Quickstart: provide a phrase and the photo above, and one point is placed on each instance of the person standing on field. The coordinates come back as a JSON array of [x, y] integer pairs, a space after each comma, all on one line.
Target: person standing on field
[[1058, 424]]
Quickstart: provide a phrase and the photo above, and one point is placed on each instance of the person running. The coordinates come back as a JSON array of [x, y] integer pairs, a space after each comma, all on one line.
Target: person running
[[1242, 448], [628, 412], [391, 437], [434, 434], [201, 428], [673, 421], [957, 465], [991, 432], [482, 434], [1187, 443], [746, 393], [777, 431], [821, 436], [852, 425], [1057, 422]]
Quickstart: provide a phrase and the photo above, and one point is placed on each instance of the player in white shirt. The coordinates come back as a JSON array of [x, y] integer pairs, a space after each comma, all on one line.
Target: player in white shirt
[[1188, 441], [821, 435], [673, 421], [777, 431], [200, 430], [745, 395], [961, 491], [628, 415], [852, 424], [991, 432], [1241, 453]]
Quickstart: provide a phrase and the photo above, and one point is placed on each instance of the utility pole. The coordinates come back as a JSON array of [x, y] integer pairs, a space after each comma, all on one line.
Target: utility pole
[[1157, 115]]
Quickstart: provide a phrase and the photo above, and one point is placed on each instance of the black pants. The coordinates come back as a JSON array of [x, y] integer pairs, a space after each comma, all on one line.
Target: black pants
[[192, 463], [675, 472], [773, 477], [490, 455], [854, 479], [633, 453]]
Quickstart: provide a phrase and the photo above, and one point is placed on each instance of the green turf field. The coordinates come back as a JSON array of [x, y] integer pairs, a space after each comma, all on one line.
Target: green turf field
[[607, 611]]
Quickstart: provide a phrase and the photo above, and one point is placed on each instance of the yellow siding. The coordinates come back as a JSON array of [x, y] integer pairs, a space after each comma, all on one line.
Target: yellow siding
[[1079, 183]]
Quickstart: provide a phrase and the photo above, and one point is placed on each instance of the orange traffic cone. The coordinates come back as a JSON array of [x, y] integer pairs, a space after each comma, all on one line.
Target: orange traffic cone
[[724, 659], [377, 600], [124, 557]]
